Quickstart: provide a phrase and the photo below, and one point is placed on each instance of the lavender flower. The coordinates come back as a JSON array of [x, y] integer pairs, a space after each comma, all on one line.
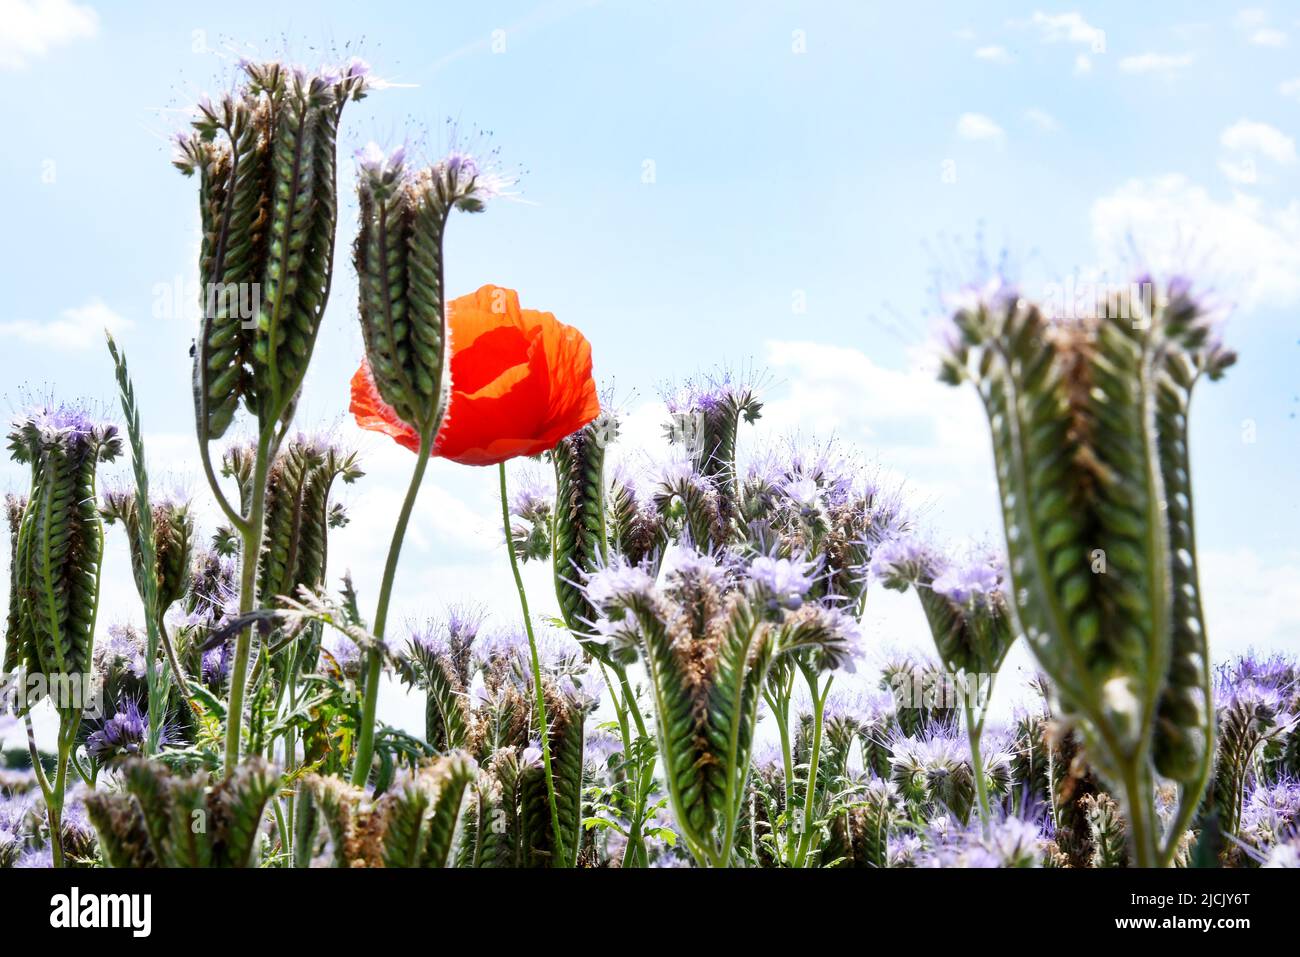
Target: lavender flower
[[781, 583], [1010, 842], [970, 581], [123, 735], [36, 858], [216, 665], [899, 561], [124, 650], [619, 583]]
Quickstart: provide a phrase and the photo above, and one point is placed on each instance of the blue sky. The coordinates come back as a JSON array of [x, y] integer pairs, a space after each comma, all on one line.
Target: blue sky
[[707, 184]]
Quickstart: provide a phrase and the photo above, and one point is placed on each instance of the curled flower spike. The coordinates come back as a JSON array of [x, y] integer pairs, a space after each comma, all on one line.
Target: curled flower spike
[[520, 382], [704, 420], [266, 162], [59, 545], [1089, 425], [173, 533]]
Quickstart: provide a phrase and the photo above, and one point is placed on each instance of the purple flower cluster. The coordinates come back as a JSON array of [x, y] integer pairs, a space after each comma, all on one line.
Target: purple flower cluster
[[619, 583], [972, 580], [123, 735], [781, 583]]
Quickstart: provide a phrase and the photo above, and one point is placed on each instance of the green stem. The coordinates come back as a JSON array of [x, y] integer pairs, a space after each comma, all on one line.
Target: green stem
[[1140, 813], [780, 708], [630, 852], [56, 838], [54, 797], [374, 656], [973, 733], [250, 553], [169, 649], [543, 726], [809, 802], [646, 778]]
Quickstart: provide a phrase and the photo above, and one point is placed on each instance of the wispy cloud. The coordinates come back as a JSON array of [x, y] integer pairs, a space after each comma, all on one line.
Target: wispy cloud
[[977, 126], [993, 54], [1155, 62], [1259, 139], [1068, 28], [1268, 37], [33, 27], [80, 327], [1251, 249]]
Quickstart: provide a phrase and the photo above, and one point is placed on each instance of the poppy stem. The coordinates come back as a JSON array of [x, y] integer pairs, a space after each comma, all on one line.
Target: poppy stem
[[374, 656], [559, 855]]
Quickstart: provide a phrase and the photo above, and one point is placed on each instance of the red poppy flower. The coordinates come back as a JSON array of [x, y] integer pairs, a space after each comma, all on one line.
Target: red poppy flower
[[520, 382]]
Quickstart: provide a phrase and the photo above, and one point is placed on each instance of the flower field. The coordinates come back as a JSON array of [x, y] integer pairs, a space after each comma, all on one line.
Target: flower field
[[708, 695]]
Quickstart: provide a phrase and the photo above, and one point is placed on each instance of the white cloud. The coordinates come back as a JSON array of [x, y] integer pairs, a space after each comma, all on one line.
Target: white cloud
[[33, 27], [1155, 62], [1068, 28], [1248, 136], [1268, 37], [977, 126], [81, 327], [929, 435], [1042, 120], [1252, 249], [993, 54], [1249, 602]]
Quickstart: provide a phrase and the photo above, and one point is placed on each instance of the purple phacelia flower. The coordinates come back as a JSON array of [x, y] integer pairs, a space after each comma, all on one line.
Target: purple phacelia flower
[[698, 568], [123, 735], [124, 648], [619, 583], [373, 161], [1284, 855], [782, 583], [36, 858], [216, 665], [899, 561], [974, 580]]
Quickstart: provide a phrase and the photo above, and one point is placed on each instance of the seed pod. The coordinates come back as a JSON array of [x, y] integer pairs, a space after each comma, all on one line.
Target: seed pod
[[579, 539], [298, 515], [567, 738], [1089, 424], [433, 662], [16, 646], [1183, 734], [422, 817], [266, 159], [173, 532], [705, 420], [707, 654], [152, 822], [1249, 715], [60, 543], [399, 260], [636, 528]]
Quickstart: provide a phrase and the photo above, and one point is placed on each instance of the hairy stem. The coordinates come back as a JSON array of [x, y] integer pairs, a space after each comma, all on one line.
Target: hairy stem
[[973, 733], [250, 552], [809, 802], [543, 727], [374, 656]]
